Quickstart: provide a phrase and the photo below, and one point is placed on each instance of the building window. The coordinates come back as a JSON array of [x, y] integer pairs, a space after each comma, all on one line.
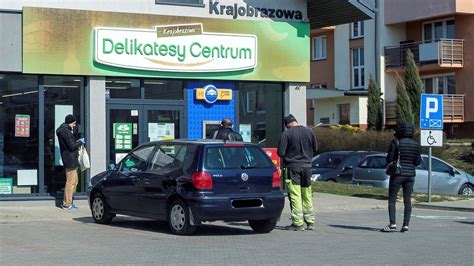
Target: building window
[[440, 84], [180, 2], [344, 114], [435, 30], [324, 120], [358, 70], [357, 29], [319, 48]]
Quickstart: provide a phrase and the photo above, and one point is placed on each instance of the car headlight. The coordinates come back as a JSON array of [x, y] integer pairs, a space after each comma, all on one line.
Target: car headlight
[[315, 177]]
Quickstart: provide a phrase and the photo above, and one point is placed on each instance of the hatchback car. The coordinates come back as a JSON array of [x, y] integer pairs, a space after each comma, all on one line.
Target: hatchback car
[[186, 182], [446, 179], [336, 166]]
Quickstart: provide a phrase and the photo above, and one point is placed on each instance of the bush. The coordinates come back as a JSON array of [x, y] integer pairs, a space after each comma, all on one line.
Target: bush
[[336, 138]]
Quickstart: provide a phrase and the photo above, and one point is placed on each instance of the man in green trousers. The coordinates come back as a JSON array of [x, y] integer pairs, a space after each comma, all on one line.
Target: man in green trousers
[[297, 147]]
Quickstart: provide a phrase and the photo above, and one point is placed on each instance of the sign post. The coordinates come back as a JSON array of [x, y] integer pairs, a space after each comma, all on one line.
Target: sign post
[[431, 125]]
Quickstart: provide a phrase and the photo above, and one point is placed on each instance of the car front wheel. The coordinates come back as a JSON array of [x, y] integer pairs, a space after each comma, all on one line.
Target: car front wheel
[[179, 218], [466, 190], [262, 226], [100, 210]]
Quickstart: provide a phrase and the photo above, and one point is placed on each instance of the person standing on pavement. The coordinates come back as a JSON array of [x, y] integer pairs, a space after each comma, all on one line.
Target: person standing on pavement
[[297, 147], [69, 148], [405, 147], [225, 131]]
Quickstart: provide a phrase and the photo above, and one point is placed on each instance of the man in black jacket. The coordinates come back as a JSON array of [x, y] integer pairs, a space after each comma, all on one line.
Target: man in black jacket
[[69, 149], [405, 147], [225, 131], [297, 147]]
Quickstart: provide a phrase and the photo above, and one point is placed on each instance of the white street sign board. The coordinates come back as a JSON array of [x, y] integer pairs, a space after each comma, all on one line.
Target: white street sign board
[[431, 138]]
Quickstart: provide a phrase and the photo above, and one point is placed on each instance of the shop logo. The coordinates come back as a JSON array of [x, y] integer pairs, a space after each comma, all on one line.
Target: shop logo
[[210, 94], [236, 11], [175, 48]]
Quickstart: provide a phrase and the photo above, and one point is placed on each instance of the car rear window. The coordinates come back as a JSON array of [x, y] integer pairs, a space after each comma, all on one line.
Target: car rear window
[[235, 157]]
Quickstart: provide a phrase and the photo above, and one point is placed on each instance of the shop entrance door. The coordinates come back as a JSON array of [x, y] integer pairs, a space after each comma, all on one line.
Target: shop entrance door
[[129, 125]]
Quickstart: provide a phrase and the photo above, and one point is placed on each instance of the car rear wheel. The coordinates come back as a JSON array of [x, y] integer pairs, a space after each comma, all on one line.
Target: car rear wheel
[[262, 226], [179, 218], [466, 190], [100, 210]]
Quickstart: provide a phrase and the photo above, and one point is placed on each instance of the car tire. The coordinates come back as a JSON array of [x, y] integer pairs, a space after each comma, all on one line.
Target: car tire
[[100, 210], [179, 218], [466, 190], [262, 226]]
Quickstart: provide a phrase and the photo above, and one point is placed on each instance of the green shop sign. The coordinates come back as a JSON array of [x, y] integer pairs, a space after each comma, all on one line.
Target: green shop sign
[[6, 185], [97, 43], [149, 50]]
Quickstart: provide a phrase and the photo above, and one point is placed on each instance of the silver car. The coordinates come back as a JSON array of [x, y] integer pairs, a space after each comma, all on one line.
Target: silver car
[[445, 178]]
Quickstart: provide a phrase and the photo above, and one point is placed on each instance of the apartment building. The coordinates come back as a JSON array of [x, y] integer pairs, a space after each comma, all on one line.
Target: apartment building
[[440, 33]]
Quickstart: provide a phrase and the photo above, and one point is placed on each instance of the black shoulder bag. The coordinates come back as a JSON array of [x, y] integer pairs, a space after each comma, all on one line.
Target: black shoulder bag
[[394, 168]]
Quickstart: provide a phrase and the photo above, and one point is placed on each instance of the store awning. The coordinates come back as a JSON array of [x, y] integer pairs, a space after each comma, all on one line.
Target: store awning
[[323, 13]]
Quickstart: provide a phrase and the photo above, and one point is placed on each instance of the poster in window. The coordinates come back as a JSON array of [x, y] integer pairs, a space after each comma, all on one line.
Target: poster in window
[[6, 185], [22, 126], [123, 136]]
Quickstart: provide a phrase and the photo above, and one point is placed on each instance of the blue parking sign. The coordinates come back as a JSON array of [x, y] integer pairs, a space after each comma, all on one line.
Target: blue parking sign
[[431, 111]]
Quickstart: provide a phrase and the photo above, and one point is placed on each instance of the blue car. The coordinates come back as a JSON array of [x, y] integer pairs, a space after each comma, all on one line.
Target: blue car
[[187, 182]]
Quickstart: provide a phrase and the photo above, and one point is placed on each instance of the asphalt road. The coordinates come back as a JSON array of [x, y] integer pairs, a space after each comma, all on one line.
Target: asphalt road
[[340, 238]]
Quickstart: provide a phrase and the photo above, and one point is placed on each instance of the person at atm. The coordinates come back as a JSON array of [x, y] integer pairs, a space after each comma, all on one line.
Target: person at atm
[[225, 131]]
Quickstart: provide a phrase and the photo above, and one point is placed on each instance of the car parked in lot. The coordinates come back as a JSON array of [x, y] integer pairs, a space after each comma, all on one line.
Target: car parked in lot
[[336, 166], [446, 179], [186, 182]]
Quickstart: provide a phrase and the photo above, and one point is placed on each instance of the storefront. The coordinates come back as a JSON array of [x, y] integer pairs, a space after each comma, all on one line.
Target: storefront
[[130, 78]]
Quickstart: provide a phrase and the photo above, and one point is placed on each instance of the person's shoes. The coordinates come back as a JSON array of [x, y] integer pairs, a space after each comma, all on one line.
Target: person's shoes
[[310, 227], [69, 208], [74, 206], [294, 228], [389, 228], [404, 229]]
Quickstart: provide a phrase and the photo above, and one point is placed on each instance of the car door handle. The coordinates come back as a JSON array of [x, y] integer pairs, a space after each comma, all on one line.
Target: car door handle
[[135, 179]]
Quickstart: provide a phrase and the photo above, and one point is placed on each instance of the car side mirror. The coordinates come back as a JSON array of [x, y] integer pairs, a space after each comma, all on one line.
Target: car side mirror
[[111, 166], [347, 167], [452, 172]]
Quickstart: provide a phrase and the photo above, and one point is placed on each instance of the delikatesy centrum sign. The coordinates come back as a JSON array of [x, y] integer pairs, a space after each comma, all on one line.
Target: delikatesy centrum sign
[[184, 48]]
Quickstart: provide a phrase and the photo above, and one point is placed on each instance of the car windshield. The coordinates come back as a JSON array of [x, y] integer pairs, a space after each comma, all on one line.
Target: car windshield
[[328, 160], [236, 158]]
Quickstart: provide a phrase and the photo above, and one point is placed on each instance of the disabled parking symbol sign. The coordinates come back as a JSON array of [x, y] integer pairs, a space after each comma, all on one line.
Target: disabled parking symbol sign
[[431, 111]]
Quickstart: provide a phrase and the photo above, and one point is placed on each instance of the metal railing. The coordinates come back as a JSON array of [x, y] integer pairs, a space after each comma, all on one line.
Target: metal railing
[[453, 107], [449, 52]]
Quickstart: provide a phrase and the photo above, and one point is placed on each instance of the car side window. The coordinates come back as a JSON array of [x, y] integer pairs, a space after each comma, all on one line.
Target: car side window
[[136, 160], [374, 162], [169, 156], [439, 166]]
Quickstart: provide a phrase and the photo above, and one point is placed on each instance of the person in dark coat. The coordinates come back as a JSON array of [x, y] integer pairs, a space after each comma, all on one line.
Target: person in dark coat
[[69, 148], [409, 150], [225, 131]]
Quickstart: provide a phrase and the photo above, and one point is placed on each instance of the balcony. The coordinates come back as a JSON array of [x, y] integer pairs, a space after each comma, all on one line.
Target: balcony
[[443, 53], [453, 107]]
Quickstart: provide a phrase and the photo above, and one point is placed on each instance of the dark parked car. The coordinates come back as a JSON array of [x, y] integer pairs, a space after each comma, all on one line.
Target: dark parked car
[[186, 182], [445, 178], [336, 166]]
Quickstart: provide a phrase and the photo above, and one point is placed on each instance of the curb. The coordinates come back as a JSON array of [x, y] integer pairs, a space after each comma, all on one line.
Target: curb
[[443, 208]]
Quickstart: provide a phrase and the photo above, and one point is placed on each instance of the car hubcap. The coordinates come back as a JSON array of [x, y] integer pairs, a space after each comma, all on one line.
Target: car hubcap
[[98, 208], [467, 191], [177, 217]]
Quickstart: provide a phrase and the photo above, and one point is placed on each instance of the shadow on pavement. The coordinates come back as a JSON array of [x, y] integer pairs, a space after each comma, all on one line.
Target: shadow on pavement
[[370, 196], [353, 227], [465, 222], [163, 228]]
